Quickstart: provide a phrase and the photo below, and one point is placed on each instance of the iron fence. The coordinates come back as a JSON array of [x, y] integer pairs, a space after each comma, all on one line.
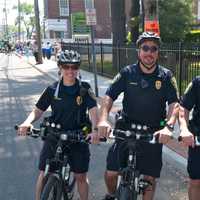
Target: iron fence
[[182, 59]]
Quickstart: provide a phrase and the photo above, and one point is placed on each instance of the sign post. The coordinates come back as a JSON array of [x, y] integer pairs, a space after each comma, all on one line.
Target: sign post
[[90, 12]]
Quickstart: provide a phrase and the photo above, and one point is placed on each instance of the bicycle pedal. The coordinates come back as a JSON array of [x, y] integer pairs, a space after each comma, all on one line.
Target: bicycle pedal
[[143, 184]]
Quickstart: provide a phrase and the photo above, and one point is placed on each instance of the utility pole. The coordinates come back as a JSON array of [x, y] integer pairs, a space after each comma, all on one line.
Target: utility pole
[[37, 22], [91, 21], [6, 22], [19, 20]]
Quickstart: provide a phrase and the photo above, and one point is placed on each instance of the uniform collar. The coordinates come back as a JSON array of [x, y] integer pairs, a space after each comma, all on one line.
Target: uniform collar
[[154, 73]]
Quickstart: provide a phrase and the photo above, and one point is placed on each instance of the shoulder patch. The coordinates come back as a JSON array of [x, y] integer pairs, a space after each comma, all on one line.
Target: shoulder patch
[[188, 87], [91, 93], [116, 78], [174, 83]]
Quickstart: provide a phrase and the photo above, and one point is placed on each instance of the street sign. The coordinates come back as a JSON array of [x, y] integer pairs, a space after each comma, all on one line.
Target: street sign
[[91, 17]]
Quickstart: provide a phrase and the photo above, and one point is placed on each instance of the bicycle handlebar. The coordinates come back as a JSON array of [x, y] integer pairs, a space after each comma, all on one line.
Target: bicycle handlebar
[[70, 135], [134, 134]]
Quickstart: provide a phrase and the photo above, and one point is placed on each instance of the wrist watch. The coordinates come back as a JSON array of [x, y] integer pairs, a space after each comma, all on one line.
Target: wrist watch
[[170, 126]]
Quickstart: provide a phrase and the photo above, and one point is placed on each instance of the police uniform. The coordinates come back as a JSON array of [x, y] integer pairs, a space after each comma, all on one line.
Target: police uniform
[[65, 108], [191, 100], [144, 102]]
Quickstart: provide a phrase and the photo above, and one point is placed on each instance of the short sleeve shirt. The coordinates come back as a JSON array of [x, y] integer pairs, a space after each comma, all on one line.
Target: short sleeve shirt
[[191, 100], [65, 107], [145, 95]]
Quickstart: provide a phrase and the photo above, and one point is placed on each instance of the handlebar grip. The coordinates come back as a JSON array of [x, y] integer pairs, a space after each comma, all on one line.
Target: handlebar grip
[[180, 138], [104, 139], [16, 127]]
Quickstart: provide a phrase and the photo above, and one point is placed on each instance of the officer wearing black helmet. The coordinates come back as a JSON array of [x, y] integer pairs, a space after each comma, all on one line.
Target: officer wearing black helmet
[[69, 107], [147, 87]]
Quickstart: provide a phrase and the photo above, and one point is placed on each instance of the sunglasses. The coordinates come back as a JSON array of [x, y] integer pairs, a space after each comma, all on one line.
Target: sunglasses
[[147, 48], [73, 67]]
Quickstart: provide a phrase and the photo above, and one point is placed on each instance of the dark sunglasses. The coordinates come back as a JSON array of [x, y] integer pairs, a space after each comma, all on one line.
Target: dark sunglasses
[[147, 48], [73, 67]]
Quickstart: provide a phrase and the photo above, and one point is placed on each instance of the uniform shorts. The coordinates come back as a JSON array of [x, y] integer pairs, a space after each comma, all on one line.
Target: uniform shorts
[[79, 156], [149, 159], [193, 166]]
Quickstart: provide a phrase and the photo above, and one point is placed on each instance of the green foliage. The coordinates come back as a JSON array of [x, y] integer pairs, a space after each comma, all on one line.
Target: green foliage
[[79, 23], [193, 36], [27, 17], [175, 18]]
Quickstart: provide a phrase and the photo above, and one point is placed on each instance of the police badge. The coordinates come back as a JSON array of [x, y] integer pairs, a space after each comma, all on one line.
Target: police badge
[[79, 100], [158, 84]]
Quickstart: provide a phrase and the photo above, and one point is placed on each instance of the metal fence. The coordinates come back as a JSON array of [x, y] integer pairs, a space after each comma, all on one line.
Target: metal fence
[[182, 59]]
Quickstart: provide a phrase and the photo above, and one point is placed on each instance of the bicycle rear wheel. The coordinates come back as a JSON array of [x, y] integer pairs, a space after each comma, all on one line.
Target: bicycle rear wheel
[[53, 189], [125, 193]]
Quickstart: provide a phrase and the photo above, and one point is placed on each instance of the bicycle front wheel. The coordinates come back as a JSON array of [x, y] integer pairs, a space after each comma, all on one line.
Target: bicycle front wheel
[[125, 193], [53, 189]]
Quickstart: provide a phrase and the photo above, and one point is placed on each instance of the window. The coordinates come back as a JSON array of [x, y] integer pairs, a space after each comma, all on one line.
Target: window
[[64, 7]]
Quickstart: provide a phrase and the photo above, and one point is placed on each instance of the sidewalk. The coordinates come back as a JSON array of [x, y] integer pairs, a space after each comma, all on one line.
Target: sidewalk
[[49, 68]]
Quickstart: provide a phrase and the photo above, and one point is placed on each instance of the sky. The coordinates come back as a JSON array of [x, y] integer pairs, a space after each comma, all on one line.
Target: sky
[[12, 14]]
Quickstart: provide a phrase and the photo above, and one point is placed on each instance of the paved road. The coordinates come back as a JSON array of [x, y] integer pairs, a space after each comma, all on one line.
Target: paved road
[[20, 86]]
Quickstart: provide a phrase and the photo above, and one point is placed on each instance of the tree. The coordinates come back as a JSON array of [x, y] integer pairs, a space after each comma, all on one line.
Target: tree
[[175, 23], [118, 19], [27, 17], [134, 20]]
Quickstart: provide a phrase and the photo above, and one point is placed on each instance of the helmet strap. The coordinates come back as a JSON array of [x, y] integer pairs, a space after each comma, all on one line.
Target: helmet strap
[[147, 67]]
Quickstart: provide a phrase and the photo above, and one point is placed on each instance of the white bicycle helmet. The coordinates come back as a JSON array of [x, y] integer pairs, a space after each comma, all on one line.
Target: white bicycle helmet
[[68, 57], [148, 36]]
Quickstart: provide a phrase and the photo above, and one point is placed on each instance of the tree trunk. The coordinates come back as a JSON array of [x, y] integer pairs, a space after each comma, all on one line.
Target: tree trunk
[[119, 33], [150, 9], [134, 21]]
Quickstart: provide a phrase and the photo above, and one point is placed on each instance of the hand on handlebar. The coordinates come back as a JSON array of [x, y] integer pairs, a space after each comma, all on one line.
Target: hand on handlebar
[[104, 129], [93, 138], [23, 129], [187, 138], [164, 135]]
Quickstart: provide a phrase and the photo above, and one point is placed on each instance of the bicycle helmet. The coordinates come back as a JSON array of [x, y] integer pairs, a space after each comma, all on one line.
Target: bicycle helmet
[[148, 36], [68, 57]]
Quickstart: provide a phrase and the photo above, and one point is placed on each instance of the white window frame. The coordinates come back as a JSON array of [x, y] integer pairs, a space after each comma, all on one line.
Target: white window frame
[[64, 8]]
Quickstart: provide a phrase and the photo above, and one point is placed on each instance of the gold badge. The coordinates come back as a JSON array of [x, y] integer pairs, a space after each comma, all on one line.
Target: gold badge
[[158, 85], [79, 100]]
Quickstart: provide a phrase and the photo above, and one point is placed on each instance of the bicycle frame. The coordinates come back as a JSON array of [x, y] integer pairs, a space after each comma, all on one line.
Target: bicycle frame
[[131, 184]]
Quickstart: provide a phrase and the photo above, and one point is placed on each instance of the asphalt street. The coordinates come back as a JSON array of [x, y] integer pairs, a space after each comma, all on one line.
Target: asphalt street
[[21, 85]]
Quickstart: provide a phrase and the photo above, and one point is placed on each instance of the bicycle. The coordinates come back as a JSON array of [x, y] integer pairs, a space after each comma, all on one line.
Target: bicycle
[[130, 183], [59, 184]]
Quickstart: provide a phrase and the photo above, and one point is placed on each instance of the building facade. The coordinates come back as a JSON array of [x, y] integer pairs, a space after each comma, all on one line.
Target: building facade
[[66, 18]]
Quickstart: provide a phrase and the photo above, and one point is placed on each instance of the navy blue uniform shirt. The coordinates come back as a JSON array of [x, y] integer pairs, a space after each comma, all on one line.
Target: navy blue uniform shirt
[[65, 107], [191, 99], [145, 95]]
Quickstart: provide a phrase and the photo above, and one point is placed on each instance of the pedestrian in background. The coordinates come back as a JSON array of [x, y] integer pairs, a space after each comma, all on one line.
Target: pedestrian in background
[[48, 50]]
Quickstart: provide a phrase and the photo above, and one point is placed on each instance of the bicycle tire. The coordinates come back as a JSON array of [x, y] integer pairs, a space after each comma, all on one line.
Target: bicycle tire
[[52, 189], [124, 193], [69, 194]]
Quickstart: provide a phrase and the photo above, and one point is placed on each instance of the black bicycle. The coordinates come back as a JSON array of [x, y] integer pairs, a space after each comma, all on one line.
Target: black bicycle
[[59, 184], [131, 183]]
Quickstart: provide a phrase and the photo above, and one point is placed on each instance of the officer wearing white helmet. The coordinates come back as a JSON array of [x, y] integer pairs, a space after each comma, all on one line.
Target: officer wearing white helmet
[[147, 87]]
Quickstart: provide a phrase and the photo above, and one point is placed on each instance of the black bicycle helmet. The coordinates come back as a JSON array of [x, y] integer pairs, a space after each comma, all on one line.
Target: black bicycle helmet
[[68, 57], [148, 36]]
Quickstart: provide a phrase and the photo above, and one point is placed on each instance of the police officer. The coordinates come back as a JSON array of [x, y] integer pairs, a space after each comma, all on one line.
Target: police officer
[[147, 87], [189, 129], [67, 105]]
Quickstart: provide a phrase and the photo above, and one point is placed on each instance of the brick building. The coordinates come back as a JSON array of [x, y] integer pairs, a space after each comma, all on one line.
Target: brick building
[[60, 14]]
